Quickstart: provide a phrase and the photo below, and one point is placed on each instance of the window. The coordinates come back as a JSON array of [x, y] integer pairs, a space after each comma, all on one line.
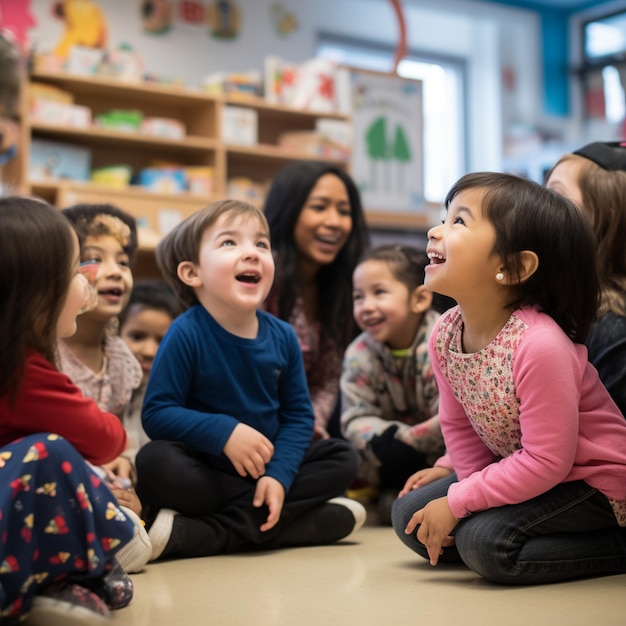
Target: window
[[444, 100], [603, 68]]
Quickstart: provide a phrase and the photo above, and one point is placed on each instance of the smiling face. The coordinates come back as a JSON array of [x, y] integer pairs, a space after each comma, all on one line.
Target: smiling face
[[114, 279], [325, 222], [142, 330], [235, 269], [462, 263], [74, 300], [383, 305]]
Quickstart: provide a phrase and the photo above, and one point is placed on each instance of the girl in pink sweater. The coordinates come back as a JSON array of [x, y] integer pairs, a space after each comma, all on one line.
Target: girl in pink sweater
[[533, 486]]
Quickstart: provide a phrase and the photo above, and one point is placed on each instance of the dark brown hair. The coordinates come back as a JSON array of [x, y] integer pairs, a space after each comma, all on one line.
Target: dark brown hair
[[36, 265], [527, 216]]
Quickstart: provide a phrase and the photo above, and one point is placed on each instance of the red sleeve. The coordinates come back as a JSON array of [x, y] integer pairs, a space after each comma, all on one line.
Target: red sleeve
[[48, 401]]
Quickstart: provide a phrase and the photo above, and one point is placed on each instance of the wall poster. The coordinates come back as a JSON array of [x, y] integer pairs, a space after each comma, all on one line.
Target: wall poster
[[387, 157]]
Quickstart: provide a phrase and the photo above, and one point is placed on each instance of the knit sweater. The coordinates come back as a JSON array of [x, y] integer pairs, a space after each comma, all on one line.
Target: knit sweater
[[47, 401], [205, 381]]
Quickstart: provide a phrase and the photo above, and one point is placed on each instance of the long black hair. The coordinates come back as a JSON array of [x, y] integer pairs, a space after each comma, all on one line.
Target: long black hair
[[287, 196]]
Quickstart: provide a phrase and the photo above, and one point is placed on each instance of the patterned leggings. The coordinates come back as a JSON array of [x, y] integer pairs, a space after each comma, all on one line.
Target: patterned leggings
[[58, 522]]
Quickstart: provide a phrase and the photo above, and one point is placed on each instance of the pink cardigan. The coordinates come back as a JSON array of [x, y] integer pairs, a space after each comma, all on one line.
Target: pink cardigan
[[524, 414]]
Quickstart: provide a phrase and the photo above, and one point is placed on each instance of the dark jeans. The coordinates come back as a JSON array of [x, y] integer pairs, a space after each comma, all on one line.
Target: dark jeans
[[216, 509], [568, 532]]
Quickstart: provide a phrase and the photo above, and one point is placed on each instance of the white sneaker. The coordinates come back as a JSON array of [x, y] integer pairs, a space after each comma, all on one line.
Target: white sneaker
[[136, 553], [356, 508], [161, 531]]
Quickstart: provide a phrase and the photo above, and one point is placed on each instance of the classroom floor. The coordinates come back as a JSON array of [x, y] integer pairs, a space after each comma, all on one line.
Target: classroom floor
[[369, 579]]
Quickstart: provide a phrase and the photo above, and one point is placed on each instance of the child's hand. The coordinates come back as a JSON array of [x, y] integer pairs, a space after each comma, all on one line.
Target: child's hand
[[248, 450], [435, 522], [270, 492], [319, 432], [423, 477], [122, 467], [129, 499]]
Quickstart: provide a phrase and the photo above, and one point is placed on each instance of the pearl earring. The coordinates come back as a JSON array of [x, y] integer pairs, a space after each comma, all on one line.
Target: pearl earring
[[499, 276]]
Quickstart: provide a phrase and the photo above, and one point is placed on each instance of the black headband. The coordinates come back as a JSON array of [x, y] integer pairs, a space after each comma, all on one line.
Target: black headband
[[609, 155]]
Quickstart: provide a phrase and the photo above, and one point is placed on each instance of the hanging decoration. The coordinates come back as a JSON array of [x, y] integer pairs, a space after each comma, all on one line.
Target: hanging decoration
[[224, 19], [284, 21], [401, 48], [156, 16]]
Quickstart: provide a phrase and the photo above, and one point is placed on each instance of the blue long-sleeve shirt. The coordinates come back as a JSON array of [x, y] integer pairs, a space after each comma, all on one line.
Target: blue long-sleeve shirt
[[205, 381]]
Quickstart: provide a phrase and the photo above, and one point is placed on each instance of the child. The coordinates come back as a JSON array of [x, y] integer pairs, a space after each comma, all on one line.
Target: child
[[143, 323], [595, 178], [536, 444], [61, 528], [318, 230], [389, 394], [232, 466], [95, 358]]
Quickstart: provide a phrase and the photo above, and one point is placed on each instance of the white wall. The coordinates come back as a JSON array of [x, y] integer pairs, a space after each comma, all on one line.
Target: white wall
[[486, 36]]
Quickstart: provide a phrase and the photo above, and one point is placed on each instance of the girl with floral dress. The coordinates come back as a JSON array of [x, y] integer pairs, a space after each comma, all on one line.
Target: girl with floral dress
[[533, 486]]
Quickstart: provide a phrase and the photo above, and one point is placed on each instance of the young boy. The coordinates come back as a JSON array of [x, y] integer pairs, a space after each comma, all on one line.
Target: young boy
[[232, 465]]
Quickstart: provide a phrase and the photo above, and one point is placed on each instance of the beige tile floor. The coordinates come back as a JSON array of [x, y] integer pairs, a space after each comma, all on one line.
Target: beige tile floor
[[369, 579]]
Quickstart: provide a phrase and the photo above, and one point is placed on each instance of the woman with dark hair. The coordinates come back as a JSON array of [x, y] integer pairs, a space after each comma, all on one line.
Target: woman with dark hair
[[318, 233]]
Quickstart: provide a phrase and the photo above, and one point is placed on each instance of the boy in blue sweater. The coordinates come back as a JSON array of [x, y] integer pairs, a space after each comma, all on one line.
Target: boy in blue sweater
[[232, 465]]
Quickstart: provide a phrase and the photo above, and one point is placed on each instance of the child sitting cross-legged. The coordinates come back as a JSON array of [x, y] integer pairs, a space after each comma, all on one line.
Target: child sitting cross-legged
[[231, 465]]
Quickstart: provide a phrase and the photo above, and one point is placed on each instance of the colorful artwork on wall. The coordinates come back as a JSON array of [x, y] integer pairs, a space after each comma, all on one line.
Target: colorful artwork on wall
[[223, 17], [16, 19], [283, 20], [156, 16], [85, 25]]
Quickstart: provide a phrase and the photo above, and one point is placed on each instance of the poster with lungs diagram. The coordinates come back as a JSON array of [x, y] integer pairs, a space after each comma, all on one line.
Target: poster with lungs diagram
[[387, 156]]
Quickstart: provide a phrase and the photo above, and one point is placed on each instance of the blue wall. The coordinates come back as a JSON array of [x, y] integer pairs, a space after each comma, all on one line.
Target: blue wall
[[555, 53]]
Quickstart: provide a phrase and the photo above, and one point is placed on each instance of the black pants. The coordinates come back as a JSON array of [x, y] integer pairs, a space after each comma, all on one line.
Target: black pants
[[216, 512]]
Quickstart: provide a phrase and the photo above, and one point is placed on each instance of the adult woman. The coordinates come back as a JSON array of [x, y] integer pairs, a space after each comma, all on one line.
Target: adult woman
[[318, 233]]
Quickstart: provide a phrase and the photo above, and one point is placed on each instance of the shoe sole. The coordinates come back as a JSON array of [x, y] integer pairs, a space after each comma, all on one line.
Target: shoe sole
[[136, 553], [356, 508], [160, 532]]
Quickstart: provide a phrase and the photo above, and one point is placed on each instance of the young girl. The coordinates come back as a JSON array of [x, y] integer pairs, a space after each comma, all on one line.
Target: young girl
[[534, 485], [143, 323], [389, 394], [595, 178], [61, 528], [95, 358], [318, 233]]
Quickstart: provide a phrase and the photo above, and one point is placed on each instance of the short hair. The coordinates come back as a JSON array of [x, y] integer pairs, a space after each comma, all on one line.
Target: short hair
[[604, 200], [152, 294], [527, 216], [36, 265], [87, 222], [182, 243]]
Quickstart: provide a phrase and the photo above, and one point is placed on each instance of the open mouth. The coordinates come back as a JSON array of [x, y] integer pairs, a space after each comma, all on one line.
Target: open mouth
[[248, 277], [436, 258], [115, 292]]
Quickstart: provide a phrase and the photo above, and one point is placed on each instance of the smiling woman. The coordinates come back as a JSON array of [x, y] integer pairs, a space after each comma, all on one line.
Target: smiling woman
[[318, 233]]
